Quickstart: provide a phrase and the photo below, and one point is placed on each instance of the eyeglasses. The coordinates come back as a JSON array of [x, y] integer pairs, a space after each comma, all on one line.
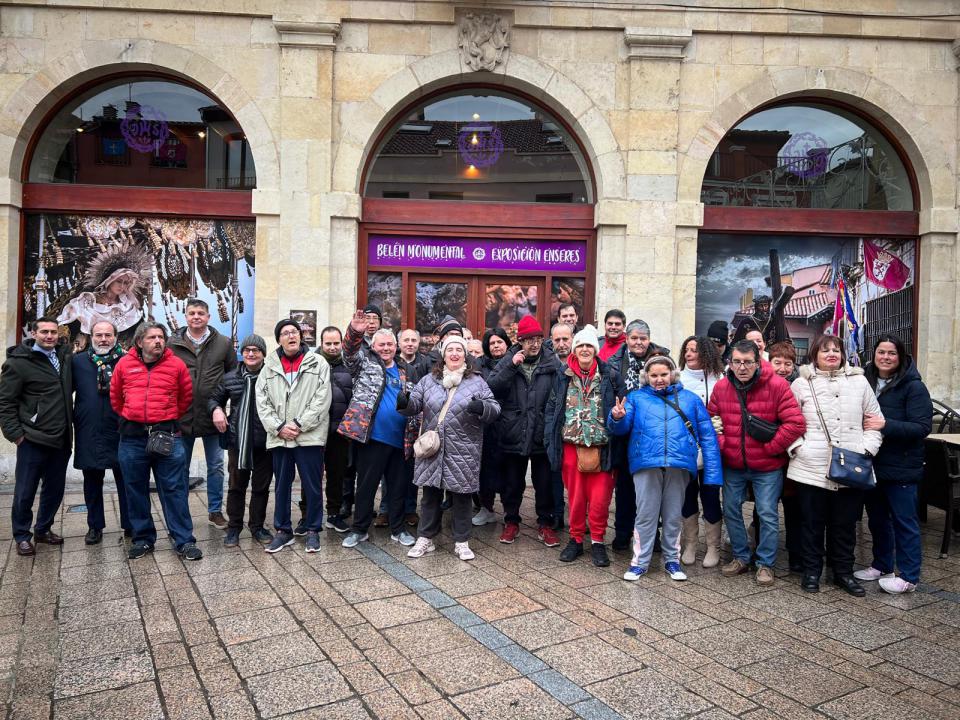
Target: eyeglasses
[[251, 350], [743, 363], [531, 341], [289, 333]]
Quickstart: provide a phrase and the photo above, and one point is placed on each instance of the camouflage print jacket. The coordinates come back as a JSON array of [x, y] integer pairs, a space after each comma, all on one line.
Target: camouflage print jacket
[[369, 379]]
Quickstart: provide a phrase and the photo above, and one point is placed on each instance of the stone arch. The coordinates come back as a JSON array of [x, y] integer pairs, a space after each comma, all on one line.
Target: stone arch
[[362, 122], [21, 115], [929, 159]]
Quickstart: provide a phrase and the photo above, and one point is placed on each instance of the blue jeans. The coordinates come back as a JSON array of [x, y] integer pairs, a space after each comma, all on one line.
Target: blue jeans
[[767, 487], [213, 454], [172, 489], [893, 522], [36, 463], [308, 459]]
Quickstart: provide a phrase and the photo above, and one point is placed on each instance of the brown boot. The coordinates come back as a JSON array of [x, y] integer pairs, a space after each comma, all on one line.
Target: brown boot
[[712, 532], [689, 539]]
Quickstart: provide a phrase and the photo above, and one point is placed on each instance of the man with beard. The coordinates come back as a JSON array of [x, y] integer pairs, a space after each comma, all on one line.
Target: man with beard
[[97, 426]]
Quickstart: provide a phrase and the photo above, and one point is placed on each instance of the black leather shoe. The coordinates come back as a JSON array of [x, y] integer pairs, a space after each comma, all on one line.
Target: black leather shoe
[[49, 537], [572, 551], [93, 537], [810, 583], [849, 584], [25, 548]]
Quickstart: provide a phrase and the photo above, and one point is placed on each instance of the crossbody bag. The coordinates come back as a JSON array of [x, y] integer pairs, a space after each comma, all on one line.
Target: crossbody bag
[[428, 443], [847, 467]]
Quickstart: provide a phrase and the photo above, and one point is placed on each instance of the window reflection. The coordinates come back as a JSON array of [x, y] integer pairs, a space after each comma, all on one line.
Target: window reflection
[[807, 156], [144, 132], [479, 147]]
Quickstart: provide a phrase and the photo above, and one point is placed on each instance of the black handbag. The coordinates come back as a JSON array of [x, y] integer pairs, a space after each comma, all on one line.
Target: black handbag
[[759, 429], [160, 443], [847, 467]]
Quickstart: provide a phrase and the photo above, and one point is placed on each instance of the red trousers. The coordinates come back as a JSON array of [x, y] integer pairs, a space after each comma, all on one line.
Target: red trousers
[[586, 493]]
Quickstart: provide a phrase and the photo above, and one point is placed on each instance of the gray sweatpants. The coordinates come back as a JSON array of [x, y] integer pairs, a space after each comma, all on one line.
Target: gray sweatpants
[[660, 493]]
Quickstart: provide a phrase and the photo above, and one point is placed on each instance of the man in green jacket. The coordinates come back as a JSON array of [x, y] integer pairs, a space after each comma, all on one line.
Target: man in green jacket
[[208, 355], [293, 401], [36, 412]]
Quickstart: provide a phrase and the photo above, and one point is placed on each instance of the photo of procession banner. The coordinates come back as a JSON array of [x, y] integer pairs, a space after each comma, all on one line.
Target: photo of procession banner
[[81, 269], [548, 256]]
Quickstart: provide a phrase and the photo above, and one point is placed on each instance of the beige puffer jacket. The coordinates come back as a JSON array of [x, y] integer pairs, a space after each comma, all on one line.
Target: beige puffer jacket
[[307, 400], [845, 397]]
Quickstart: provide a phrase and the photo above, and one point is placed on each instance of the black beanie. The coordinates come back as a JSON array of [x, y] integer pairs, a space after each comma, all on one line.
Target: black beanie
[[448, 325], [718, 331], [282, 324], [375, 309]]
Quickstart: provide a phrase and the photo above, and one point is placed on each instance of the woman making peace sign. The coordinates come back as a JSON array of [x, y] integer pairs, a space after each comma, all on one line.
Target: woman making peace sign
[[667, 426]]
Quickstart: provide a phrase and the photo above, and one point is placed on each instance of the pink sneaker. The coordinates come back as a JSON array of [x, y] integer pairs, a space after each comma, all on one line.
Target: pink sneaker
[[871, 574], [896, 586]]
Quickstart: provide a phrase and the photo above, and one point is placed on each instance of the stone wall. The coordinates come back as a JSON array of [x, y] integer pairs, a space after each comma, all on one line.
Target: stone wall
[[649, 92]]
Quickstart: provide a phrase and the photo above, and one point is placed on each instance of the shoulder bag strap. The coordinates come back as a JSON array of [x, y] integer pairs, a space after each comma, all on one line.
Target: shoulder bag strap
[[816, 402], [686, 420], [446, 406]]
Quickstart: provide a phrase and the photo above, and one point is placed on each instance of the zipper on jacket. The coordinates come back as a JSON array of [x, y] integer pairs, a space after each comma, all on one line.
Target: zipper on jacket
[[743, 430], [665, 434]]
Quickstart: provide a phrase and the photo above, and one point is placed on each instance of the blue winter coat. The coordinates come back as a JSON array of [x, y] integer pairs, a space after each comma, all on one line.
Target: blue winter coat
[[908, 417], [658, 436], [95, 423]]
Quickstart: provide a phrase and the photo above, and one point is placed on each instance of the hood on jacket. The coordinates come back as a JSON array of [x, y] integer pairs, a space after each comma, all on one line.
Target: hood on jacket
[[808, 372], [907, 371]]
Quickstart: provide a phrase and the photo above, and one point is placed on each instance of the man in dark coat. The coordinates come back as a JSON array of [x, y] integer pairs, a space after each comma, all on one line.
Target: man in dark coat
[[248, 460], [208, 355], [36, 414], [522, 383], [96, 426]]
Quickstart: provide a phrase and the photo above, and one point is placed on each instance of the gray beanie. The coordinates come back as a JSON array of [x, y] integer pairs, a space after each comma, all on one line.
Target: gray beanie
[[254, 340]]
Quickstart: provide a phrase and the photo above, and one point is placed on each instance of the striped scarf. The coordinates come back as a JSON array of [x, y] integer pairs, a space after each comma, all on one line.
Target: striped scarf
[[244, 431]]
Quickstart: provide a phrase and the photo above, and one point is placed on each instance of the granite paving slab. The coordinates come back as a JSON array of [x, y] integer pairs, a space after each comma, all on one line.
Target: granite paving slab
[[113, 704], [276, 652], [464, 669], [292, 689], [799, 679], [515, 699], [648, 694]]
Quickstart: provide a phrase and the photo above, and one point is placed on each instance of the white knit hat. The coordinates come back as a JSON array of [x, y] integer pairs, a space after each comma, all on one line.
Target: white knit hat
[[452, 340], [587, 336]]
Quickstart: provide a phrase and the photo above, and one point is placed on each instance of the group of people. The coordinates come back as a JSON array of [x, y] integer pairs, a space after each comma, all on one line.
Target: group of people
[[590, 416]]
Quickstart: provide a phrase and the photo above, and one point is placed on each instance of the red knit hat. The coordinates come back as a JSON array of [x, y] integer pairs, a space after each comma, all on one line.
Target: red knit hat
[[528, 328]]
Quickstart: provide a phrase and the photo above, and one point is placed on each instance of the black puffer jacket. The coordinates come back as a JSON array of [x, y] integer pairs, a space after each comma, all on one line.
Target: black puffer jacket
[[619, 366], [231, 388], [36, 402], [341, 386], [908, 417], [418, 368], [522, 403]]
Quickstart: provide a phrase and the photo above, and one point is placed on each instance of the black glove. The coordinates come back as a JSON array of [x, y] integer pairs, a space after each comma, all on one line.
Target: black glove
[[475, 407], [403, 399]]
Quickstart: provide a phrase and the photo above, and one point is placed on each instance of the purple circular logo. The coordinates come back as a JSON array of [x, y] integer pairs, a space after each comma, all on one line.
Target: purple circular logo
[[480, 148], [806, 155], [144, 128]]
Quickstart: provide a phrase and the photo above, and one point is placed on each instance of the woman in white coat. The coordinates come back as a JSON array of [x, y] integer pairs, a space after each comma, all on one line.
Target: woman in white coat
[[844, 397]]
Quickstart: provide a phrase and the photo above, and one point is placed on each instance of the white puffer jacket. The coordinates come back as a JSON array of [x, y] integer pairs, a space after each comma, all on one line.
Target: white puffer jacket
[[845, 397], [699, 382]]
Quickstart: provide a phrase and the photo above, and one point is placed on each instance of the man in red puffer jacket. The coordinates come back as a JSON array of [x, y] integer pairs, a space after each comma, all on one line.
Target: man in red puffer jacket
[[753, 454], [150, 391]]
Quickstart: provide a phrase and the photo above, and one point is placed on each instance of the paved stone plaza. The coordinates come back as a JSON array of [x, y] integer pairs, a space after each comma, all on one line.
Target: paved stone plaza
[[514, 634]]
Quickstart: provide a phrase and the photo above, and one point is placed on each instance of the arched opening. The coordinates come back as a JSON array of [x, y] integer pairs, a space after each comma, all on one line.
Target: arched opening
[[810, 226], [136, 198], [477, 204]]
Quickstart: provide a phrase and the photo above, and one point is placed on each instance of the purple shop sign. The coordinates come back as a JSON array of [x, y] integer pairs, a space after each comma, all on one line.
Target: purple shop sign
[[476, 254], [145, 128]]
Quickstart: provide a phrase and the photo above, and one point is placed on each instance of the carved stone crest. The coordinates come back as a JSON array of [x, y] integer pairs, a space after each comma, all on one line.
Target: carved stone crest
[[484, 38]]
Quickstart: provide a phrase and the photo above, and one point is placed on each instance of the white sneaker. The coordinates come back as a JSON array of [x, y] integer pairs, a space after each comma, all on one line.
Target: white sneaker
[[674, 571], [423, 546], [895, 585], [484, 516], [870, 574], [404, 538], [463, 551], [353, 539]]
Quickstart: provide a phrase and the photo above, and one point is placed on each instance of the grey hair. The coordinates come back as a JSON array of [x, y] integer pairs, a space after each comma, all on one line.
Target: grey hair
[[413, 330], [145, 327], [383, 331], [101, 322], [638, 326], [562, 325]]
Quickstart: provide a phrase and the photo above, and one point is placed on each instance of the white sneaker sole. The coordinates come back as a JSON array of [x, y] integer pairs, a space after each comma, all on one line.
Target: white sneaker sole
[[363, 538], [419, 554]]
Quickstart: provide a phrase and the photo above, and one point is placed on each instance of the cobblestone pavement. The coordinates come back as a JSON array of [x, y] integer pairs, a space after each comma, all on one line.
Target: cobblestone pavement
[[514, 634]]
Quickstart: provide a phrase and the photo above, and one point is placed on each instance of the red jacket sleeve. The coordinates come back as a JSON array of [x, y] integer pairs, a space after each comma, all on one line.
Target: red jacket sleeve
[[184, 391], [116, 389], [713, 408], [792, 424]]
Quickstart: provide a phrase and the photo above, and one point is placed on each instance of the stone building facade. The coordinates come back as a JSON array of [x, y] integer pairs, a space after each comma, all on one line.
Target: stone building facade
[[648, 93]]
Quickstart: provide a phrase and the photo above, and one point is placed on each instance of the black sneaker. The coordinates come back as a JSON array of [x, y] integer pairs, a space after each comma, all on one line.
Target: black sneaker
[[138, 550], [572, 551], [620, 543], [301, 529], [280, 541], [190, 551], [93, 537], [335, 522], [262, 536], [598, 553], [232, 538]]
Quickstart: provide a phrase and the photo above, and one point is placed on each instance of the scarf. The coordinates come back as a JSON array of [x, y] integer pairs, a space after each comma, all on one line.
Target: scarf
[[105, 365], [452, 378], [634, 368], [584, 376], [244, 434]]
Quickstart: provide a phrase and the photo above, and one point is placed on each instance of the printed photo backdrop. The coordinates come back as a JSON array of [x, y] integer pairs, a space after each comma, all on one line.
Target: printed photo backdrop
[[874, 278], [84, 268]]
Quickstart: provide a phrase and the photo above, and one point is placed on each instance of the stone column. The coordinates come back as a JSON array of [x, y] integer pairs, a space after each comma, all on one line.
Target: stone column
[[293, 236], [11, 200]]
